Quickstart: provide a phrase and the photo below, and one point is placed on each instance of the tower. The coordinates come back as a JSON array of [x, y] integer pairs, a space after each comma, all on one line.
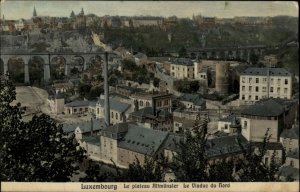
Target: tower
[[34, 12], [81, 12]]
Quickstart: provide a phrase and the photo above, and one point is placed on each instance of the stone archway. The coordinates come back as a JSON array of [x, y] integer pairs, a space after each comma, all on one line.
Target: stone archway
[[16, 69], [57, 67], [1, 67], [76, 64], [36, 70]]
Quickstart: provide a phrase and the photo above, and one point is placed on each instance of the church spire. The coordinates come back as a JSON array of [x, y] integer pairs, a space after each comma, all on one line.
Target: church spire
[[34, 12], [82, 12]]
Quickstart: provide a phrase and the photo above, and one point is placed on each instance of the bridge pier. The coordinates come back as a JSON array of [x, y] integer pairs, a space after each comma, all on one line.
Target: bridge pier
[[208, 55], [67, 67], [234, 54], [226, 55], [26, 73], [242, 54], [46, 72], [248, 55], [5, 64]]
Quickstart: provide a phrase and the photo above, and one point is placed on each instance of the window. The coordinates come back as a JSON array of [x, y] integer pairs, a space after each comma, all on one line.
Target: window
[[271, 89], [98, 111], [285, 90], [264, 89], [256, 97], [267, 160], [112, 114], [245, 124], [188, 69], [278, 81], [250, 80], [243, 88], [278, 89], [117, 117], [172, 67], [250, 88], [243, 80], [249, 97], [80, 109], [256, 88], [166, 102], [264, 80], [257, 80], [286, 81], [272, 80], [147, 104], [159, 103], [226, 126], [243, 97], [141, 103], [75, 110], [292, 163]]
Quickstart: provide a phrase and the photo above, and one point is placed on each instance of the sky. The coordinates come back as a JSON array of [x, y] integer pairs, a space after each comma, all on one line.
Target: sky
[[16, 9]]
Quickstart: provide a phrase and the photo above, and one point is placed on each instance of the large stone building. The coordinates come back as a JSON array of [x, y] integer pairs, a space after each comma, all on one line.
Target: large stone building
[[272, 114], [182, 68], [259, 83], [155, 119], [158, 100]]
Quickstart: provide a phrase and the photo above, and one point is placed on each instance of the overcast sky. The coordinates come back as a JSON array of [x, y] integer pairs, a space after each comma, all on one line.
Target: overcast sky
[[14, 9]]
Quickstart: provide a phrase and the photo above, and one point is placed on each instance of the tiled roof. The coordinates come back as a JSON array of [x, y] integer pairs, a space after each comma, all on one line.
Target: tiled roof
[[115, 105], [142, 140], [268, 108], [148, 112], [269, 145], [292, 133], [183, 61], [219, 146], [293, 154], [194, 98], [95, 140], [85, 126], [78, 103], [264, 72], [288, 171]]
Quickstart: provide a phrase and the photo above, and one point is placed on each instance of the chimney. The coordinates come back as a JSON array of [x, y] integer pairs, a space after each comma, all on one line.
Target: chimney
[[106, 91], [92, 126], [154, 106]]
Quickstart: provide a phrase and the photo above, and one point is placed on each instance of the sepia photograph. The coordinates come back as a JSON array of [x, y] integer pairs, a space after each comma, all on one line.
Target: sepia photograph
[[149, 96]]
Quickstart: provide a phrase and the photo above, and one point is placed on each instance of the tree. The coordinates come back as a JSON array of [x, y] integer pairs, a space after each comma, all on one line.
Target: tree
[[182, 52], [190, 163], [253, 167], [72, 15], [37, 150], [94, 173], [151, 171]]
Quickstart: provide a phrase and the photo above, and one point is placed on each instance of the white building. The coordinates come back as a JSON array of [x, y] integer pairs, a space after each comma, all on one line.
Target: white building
[[259, 83]]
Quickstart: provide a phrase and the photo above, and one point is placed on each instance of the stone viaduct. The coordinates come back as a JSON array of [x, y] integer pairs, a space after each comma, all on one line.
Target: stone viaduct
[[230, 52], [47, 58]]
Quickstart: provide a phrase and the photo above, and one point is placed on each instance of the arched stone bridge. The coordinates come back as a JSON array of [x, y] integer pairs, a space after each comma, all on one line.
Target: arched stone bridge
[[47, 57], [230, 52]]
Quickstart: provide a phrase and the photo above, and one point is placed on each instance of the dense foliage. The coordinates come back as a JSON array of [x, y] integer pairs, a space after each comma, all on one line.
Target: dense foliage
[[37, 150]]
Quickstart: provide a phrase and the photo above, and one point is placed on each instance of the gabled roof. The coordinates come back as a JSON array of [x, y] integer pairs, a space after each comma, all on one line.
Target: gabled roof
[[85, 126], [264, 72], [148, 112], [183, 61], [292, 133], [293, 154], [95, 140], [267, 108], [288, 171], [194, 98], [219, 146], [115, 105], [142, 140], [78, 103]]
